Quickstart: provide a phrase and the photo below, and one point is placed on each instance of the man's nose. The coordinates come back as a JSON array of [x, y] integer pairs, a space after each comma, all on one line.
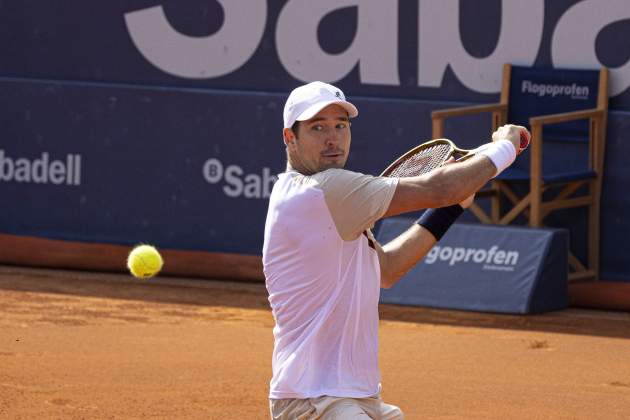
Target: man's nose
[[332, 137]]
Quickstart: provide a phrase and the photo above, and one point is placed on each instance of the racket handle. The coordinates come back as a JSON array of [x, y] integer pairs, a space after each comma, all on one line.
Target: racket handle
[[525, 139]]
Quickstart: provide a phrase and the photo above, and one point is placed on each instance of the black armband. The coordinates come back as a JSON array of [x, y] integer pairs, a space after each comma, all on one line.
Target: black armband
[[437, 221]]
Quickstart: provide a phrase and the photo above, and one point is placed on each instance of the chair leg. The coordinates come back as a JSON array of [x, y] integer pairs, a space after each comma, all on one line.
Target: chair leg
[[480, 214], [593, 234], [535, 214], [535, 183], [495, 203]]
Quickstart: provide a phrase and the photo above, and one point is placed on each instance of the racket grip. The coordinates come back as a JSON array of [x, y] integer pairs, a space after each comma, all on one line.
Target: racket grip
[[525, 139]]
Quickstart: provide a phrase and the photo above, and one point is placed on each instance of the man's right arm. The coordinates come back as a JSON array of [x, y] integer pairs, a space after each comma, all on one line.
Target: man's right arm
[[446, 186], [449, 184]]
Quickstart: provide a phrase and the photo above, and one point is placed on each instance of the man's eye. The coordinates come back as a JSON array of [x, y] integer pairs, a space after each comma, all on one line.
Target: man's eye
[[317, 127], [342, 125]]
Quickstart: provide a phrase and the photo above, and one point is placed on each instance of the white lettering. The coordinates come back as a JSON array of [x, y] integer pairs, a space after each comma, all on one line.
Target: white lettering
[[498, 268], [432, 255], [232, 178], [541, 89], [374, 48], [499, 257], [199, 57], [512, 258], [22, 170], [69, 169], [446, 253], [491, 252], [238, 183], [41, 170], [6, 168], [479, 255], [77, 170], [40, 174], [458, 255], [253, 186], [213, 171], [490, 258], [573, 42], [439, 46], [57, 172]]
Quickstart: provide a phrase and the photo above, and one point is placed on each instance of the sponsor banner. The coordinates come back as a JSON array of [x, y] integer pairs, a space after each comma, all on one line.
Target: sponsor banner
[[426, 49], [183, 169], [192, 169], [485, 268]]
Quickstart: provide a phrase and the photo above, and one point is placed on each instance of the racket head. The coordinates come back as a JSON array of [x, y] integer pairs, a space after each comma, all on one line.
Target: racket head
[[421, 159]]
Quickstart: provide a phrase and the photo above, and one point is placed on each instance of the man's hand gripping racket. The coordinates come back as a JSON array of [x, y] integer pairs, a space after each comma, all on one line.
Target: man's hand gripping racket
[[433, 154]]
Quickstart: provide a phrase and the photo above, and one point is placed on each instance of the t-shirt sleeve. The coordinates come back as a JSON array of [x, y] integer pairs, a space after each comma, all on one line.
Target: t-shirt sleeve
[[356, 201]]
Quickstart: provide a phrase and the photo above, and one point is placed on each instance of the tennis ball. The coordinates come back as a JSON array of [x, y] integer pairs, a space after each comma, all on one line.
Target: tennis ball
[[144, 261]]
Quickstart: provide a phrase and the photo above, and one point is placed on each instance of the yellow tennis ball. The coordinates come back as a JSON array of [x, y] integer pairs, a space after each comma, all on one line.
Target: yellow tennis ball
[[144, 261]]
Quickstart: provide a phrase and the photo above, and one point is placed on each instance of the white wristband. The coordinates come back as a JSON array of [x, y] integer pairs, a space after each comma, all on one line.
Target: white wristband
[[501, 152]]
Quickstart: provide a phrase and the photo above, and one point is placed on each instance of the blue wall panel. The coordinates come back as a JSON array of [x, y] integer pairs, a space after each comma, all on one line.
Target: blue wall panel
[[147, 157], [147, 154], [77, 89]]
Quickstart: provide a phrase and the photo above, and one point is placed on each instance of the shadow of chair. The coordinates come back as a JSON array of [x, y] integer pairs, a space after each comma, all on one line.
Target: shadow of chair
[[566, 112]]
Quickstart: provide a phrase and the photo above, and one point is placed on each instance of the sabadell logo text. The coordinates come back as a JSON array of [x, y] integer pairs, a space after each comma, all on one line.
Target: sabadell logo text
[[44, 169], [235, 182]]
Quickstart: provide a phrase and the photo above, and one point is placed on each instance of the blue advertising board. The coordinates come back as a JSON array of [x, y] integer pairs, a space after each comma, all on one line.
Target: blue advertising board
[[184, 169], [485, 268], [149, 120]]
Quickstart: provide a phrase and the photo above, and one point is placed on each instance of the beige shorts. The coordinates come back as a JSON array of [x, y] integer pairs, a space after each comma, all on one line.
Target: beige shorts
[[329, 408]]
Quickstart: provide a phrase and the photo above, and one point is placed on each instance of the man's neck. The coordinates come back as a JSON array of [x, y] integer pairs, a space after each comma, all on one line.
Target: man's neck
[[299, 169]]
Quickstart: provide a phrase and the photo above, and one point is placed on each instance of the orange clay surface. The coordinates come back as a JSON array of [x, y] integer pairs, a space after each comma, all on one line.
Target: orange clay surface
[[77, 345]]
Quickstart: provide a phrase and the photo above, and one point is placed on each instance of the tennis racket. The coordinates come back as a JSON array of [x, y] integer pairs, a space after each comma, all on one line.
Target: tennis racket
[[432, 154]]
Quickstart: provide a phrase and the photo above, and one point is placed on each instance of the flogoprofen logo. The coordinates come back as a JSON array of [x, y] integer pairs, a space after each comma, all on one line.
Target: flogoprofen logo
[[492, 259], [237, 182], [574, 90]]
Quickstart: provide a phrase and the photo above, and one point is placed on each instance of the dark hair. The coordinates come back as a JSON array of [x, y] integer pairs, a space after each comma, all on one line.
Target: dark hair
[[295, 128]]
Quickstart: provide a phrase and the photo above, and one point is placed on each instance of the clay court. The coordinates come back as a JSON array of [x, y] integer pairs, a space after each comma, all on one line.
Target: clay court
[[91, 345]]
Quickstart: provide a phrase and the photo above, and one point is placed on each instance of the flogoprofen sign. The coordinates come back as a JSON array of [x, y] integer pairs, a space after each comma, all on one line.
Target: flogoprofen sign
[[485, 268], [490, 258]]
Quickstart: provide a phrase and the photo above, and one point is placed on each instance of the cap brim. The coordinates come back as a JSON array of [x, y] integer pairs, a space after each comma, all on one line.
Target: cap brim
[[312, 110]]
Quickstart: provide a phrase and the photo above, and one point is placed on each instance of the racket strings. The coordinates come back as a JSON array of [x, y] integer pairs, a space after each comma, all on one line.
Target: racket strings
[[422, 161]]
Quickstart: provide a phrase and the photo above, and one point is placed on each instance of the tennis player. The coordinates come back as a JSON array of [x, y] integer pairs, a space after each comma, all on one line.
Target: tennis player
[[324, 268]]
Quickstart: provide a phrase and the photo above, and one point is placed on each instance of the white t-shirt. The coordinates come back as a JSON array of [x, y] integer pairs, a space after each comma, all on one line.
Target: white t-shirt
[[323, 279]]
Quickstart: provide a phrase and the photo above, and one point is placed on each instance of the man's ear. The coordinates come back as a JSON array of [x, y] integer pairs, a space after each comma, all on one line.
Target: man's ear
[[288, 136]]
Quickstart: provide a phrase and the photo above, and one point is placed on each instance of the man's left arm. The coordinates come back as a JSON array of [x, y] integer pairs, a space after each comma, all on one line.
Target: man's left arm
[[403, 252]]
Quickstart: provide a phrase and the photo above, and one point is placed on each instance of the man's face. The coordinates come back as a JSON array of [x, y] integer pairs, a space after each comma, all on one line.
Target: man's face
[[323, 142]]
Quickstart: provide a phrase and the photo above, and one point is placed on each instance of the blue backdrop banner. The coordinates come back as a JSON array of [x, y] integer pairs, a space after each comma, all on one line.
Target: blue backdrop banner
[[432, 50], [160, 120]]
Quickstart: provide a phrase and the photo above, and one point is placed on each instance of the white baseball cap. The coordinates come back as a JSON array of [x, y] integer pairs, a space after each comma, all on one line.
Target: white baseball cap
[[306, 101]]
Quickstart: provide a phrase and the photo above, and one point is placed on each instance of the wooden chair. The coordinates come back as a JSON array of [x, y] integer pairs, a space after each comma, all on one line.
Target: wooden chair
[[566, 112]]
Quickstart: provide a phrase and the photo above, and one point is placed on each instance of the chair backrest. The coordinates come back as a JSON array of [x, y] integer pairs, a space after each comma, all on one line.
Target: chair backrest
[[543, 91]]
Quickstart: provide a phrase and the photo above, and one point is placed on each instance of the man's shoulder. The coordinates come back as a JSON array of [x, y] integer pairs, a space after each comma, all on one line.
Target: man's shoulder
[[337, 174]]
